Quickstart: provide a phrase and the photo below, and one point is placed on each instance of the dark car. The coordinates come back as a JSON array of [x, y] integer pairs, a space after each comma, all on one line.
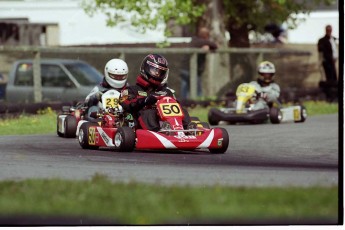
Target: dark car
[[63, 80]]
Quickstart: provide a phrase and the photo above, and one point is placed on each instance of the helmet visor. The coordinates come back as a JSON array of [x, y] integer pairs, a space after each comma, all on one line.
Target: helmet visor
[[157, 74], [117, 76], [267, 77]]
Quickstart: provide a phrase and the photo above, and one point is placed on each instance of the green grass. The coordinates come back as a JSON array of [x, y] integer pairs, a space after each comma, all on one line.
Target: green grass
[[141, 204], [42, 123]]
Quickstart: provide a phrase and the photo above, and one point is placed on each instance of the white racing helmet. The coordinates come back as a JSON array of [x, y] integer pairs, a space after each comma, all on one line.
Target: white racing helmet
[[116, 73], [266, 71]]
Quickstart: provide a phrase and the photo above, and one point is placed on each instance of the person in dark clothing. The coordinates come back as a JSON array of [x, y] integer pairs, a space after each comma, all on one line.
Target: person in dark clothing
[[140, 98], [328, 55], [201, 41]]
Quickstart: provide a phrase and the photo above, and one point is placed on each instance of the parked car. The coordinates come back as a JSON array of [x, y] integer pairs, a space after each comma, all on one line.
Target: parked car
[[62, 80]]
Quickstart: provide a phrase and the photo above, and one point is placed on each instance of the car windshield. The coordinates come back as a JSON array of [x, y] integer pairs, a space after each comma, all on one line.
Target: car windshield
[[85, 74]]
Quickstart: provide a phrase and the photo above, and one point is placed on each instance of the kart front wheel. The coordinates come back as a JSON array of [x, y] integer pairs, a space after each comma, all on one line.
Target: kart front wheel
[[211, 119], [83, 136], [276, 115], [70, 124], [124, 139], [225, 143]]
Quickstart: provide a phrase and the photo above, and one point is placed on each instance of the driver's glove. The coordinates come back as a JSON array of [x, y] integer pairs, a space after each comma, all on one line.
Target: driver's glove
[[150, 100], [263, 96]]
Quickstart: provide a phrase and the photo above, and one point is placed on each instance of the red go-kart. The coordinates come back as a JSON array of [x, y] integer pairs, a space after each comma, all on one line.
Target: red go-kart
[[172, 135]]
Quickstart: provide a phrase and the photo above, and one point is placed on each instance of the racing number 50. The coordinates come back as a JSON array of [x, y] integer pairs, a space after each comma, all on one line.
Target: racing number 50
[[171, 109]]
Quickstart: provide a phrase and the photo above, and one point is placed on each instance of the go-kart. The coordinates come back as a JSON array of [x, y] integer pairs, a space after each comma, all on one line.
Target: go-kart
[[243, 111], [172, 135], [109, 120], [68, 119]]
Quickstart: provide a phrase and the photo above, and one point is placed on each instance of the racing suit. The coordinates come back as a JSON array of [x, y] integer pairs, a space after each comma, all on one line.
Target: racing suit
[[93, 99], [269, 93], [138, 100]]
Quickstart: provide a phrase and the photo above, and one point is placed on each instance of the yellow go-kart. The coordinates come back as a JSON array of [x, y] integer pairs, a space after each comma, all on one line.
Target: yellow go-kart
[[244, 110]]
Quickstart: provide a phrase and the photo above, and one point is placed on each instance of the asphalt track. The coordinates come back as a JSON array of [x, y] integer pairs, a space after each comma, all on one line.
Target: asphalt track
[[290, 154]]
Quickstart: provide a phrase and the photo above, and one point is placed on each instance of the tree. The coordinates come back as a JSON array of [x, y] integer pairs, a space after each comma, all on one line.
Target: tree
[[238, 17]]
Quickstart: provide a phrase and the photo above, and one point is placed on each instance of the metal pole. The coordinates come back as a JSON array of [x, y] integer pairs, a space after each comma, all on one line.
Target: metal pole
[[193, 65], [37, 77]]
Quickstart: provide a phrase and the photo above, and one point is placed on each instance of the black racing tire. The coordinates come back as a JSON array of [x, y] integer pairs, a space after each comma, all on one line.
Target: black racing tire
[[304, 114], [70, 124], [83, 137], [276, 115], [124, 139], [225, 144], [205, 125], [211, 119]]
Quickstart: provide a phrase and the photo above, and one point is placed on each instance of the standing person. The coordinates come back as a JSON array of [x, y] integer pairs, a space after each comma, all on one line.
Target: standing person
[[328, 55], [3, 82], [202, 40], [115, 77], [138, 99]]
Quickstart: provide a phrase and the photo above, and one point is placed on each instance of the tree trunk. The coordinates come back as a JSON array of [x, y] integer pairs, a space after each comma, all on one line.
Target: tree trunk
[[217, 72], [238, 35]]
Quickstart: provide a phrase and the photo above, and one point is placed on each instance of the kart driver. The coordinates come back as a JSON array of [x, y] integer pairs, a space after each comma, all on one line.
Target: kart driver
[[268, 90], [115, 77], [138, 99]]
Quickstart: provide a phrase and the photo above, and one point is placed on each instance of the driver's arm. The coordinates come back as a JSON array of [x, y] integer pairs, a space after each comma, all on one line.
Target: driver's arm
[[273, 93]]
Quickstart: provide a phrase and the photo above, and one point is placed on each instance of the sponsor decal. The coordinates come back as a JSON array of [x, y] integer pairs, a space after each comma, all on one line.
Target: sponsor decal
[[296, 114], [107, 140], [220, 142], [91, 138], [142, 93], [162, 93], [183, 138], [124, 92], [109, 117]]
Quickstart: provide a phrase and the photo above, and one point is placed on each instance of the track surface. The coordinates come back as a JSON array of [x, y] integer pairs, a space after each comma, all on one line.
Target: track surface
[[290, 154]]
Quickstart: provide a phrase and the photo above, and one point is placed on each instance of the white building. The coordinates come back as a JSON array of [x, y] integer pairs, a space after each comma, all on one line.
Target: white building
[[75, 27]]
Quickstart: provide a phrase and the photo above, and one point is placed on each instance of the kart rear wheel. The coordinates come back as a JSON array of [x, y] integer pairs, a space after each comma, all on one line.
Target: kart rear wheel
[[276, 115], [70, 124], [83, 136], [303, 114], [57, 128], [211, 119], [225, 143], [124, 139]]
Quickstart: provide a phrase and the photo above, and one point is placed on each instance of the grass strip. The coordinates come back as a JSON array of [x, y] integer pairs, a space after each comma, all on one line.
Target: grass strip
[[45, 121], [143, 204]]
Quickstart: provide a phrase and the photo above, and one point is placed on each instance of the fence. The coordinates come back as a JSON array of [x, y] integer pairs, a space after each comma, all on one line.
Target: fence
[[226, 67]]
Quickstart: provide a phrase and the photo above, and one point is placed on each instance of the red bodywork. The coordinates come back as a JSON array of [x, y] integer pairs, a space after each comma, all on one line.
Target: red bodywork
[[170, 111]]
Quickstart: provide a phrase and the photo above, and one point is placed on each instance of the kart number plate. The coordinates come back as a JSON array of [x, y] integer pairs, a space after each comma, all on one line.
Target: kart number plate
[[111, 102], [245, 89], [296, 115], [171, 109], [92, 135]]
